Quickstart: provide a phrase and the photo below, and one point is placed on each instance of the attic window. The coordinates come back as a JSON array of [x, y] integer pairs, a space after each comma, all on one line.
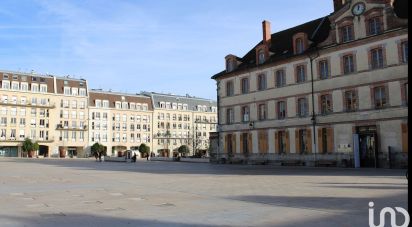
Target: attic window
[[230, 66], [261, 56], [299, 42]]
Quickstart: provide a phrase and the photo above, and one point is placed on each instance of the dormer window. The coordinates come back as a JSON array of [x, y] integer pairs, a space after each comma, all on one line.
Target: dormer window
[[261, 57], [299, 46], [299, 43], [229, 65]]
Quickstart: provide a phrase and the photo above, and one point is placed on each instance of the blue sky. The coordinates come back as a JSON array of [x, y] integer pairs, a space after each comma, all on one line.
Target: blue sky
[[172, 46]]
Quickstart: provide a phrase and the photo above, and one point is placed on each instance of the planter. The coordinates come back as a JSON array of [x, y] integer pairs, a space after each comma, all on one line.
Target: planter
[[120, 154], [30, 154]]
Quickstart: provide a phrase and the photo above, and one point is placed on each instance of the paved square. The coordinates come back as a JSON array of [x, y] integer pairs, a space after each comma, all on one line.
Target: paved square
[[46, 192]]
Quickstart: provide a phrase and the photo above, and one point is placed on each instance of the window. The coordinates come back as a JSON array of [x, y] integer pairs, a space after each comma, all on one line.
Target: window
[[229, 88], [347, 33], [351, 102], [374, 26], [230, 65], [105, 104], [261, 82], [280, 78], [302, 107], [98, 103], [245, 114], [261, 56], [245, 85], [303, 141], [326, 104], [229, 116], [82, 92], [300, 74], [323, 69], [24, 87], [348, 64], [281, 107], [262, 112], [380, 98], [299, 46], [377, 58], [15, 86], [404, 52], [75, 91], [282, 142], [5, 84], [43, 88], [66, 90]]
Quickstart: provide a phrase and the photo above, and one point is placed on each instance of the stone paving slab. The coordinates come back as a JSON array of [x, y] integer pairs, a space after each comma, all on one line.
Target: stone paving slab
[[82, 192]]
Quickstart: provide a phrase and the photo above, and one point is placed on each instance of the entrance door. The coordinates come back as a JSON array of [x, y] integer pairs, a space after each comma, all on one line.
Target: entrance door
[[368, 151]]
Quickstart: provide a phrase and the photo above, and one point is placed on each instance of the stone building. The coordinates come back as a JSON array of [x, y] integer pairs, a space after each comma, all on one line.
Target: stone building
[[120, 121], [332, 91], [182, 120], [48, 109]]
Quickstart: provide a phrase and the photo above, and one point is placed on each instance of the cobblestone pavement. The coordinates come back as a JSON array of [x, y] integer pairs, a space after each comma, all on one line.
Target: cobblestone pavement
[[75, 192]]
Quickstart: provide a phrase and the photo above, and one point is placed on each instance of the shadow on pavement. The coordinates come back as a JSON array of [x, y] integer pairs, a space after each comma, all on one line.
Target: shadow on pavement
[[75, 219]]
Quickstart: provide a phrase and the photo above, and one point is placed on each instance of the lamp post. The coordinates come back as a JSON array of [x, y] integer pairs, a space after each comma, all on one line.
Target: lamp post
[[313, 54]]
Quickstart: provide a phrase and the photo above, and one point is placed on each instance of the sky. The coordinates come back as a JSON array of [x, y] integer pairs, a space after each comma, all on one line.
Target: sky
[[166, 46]]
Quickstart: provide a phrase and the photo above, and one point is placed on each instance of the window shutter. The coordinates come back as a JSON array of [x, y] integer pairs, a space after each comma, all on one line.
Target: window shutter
[[241, 143], [276, 142], [309, 140], [405, 137], [225, 144], [249, 143], [287, 141], [320, 142], [330, 140], [234, 143], [297, 142]]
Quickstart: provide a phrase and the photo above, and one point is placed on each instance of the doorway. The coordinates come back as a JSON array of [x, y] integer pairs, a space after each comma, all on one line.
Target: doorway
[[43, 151], [368, 150]]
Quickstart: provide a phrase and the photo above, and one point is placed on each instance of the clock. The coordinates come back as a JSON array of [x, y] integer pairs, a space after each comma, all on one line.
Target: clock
[[358, 8]]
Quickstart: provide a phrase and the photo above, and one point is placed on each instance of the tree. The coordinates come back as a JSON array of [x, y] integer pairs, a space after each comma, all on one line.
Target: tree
[[98, 149], [183, 150], [29, 147], [144, 149]]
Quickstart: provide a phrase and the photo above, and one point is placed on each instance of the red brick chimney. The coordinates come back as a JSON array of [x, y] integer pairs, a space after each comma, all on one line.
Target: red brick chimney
[[266, 32], [337, 4]]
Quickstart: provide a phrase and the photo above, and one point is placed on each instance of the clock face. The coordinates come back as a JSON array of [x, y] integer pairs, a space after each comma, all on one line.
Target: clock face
[[358, 8]]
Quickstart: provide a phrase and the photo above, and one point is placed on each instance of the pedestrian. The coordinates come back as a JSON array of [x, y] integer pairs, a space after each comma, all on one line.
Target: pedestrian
[[134, 158], [100, 157], [96, 156]]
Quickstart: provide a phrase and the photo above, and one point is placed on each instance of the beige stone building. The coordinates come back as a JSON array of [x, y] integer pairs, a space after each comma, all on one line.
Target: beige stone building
[[48, 109], [332, 91], [120, 121], [182, 120]]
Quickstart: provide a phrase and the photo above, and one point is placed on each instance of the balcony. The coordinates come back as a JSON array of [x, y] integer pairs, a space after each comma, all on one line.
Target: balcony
[[21, 140], [47, 106], [67, 128]]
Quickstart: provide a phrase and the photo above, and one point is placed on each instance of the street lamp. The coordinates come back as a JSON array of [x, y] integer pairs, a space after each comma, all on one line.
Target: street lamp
[[313, 54]]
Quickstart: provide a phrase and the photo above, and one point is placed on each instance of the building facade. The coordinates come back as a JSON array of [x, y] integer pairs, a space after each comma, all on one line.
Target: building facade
[[182, 120], [330, 91], [66, 119], [120, 121], [47, 109]]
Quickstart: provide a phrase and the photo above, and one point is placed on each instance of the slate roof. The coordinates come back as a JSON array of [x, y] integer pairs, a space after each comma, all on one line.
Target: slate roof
[[191, 101], [282, 43]]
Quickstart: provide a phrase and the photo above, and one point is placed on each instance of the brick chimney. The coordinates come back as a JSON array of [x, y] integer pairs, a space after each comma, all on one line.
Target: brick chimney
[[337, 4], [266, 32]]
